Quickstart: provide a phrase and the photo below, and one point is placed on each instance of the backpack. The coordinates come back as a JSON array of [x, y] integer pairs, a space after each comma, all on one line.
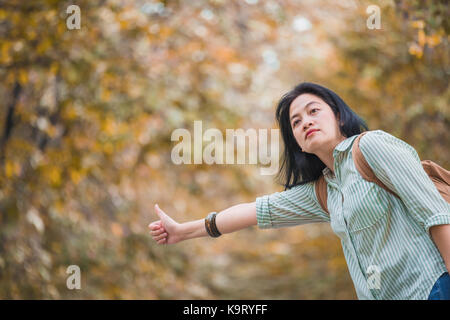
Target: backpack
[[437, 174]]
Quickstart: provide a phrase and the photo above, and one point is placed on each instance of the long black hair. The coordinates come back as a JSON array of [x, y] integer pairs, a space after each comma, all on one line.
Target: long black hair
[[298, 167]]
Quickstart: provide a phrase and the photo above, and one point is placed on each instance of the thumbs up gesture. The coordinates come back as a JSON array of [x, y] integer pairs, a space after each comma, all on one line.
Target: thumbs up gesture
[[165, 230]]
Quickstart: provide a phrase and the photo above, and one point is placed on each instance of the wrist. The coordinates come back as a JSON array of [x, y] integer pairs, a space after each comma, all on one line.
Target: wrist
[[192, 229], [183, 230]]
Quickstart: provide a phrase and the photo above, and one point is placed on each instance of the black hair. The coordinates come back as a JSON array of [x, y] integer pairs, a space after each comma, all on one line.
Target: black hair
[[298, 167]]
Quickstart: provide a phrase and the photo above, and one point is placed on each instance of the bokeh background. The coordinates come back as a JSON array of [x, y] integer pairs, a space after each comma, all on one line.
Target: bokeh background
[[86, 118]]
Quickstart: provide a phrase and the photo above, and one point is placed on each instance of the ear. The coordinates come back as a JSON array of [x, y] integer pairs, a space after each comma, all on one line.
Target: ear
[[339, 119]]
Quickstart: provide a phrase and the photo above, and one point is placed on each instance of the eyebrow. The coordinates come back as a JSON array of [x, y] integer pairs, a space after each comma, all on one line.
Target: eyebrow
[[309, 103]]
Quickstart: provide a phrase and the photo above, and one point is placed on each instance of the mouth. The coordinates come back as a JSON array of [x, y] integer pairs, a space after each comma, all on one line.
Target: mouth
[[310, 132]]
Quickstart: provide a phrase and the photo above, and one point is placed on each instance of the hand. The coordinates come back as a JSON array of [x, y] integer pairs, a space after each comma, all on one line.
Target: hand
[[166, 230]]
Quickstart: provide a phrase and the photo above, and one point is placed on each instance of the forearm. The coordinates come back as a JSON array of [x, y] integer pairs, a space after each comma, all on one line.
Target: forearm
[[441, 237], [229, 220]]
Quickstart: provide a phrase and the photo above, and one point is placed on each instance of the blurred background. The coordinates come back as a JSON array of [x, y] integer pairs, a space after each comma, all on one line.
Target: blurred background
[[86, 117]]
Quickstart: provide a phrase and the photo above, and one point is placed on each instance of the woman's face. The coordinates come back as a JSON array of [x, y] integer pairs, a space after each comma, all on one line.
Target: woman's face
[[309, 112]]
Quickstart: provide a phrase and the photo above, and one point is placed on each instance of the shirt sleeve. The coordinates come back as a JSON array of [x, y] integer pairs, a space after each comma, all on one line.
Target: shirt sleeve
[[298, 205], [398, 166]]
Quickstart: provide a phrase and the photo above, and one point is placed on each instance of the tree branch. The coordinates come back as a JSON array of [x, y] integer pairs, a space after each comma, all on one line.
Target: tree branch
[[9, 121]]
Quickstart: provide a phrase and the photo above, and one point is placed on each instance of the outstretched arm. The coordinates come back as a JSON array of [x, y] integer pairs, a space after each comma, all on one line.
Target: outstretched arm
[[168, 231]]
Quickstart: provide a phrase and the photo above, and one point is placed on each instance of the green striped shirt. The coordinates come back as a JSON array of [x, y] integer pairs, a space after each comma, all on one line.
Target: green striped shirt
[[386, 241]]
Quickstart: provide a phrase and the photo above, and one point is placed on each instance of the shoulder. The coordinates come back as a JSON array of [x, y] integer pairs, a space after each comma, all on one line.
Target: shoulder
[[379, 141], [374, 136], [378, 146]]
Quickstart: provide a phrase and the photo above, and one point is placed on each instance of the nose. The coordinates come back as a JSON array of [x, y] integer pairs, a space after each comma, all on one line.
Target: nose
[[307, 124]]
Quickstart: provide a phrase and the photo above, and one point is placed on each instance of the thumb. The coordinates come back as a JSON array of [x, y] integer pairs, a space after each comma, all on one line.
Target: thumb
[[161, 214], [166, 220]]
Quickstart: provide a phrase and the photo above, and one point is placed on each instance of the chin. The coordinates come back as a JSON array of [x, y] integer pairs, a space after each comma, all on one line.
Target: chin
[[315, 145]]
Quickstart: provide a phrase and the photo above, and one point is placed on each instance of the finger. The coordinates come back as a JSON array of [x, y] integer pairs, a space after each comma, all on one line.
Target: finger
[[156, 228], [162, 241], [157, 232], [161, 236], [159, 225], [154, 225]]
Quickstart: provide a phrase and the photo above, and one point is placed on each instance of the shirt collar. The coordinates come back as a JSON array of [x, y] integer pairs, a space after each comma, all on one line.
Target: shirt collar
[[326, 172], [344, 144]]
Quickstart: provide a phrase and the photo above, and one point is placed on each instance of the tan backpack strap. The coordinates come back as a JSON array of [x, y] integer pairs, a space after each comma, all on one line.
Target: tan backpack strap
[[321, 193], [439, 176], [364, 168]]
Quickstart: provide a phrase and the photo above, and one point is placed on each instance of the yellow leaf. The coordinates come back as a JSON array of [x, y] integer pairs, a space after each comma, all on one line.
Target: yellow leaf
[[75, 176], [123, 24], [70, 113], [110, 126], [55, 176], [9, 168], [108, 148], [433, 40], [422, 38], [43, 46], [105, 95], [52, 131], [420, 24], [54, 68], [5, 56], [415, 50], [58, 205], [23, 76]]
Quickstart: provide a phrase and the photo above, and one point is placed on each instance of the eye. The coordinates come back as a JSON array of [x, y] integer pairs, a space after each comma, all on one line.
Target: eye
[[314, 109], [295, 123]]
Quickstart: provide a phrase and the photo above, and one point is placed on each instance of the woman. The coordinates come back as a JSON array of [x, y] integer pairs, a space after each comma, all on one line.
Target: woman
[[395, 248]]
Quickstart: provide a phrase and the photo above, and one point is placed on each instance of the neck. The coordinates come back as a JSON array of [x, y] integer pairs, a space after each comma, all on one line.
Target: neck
[[327, 157], [326, 154]]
